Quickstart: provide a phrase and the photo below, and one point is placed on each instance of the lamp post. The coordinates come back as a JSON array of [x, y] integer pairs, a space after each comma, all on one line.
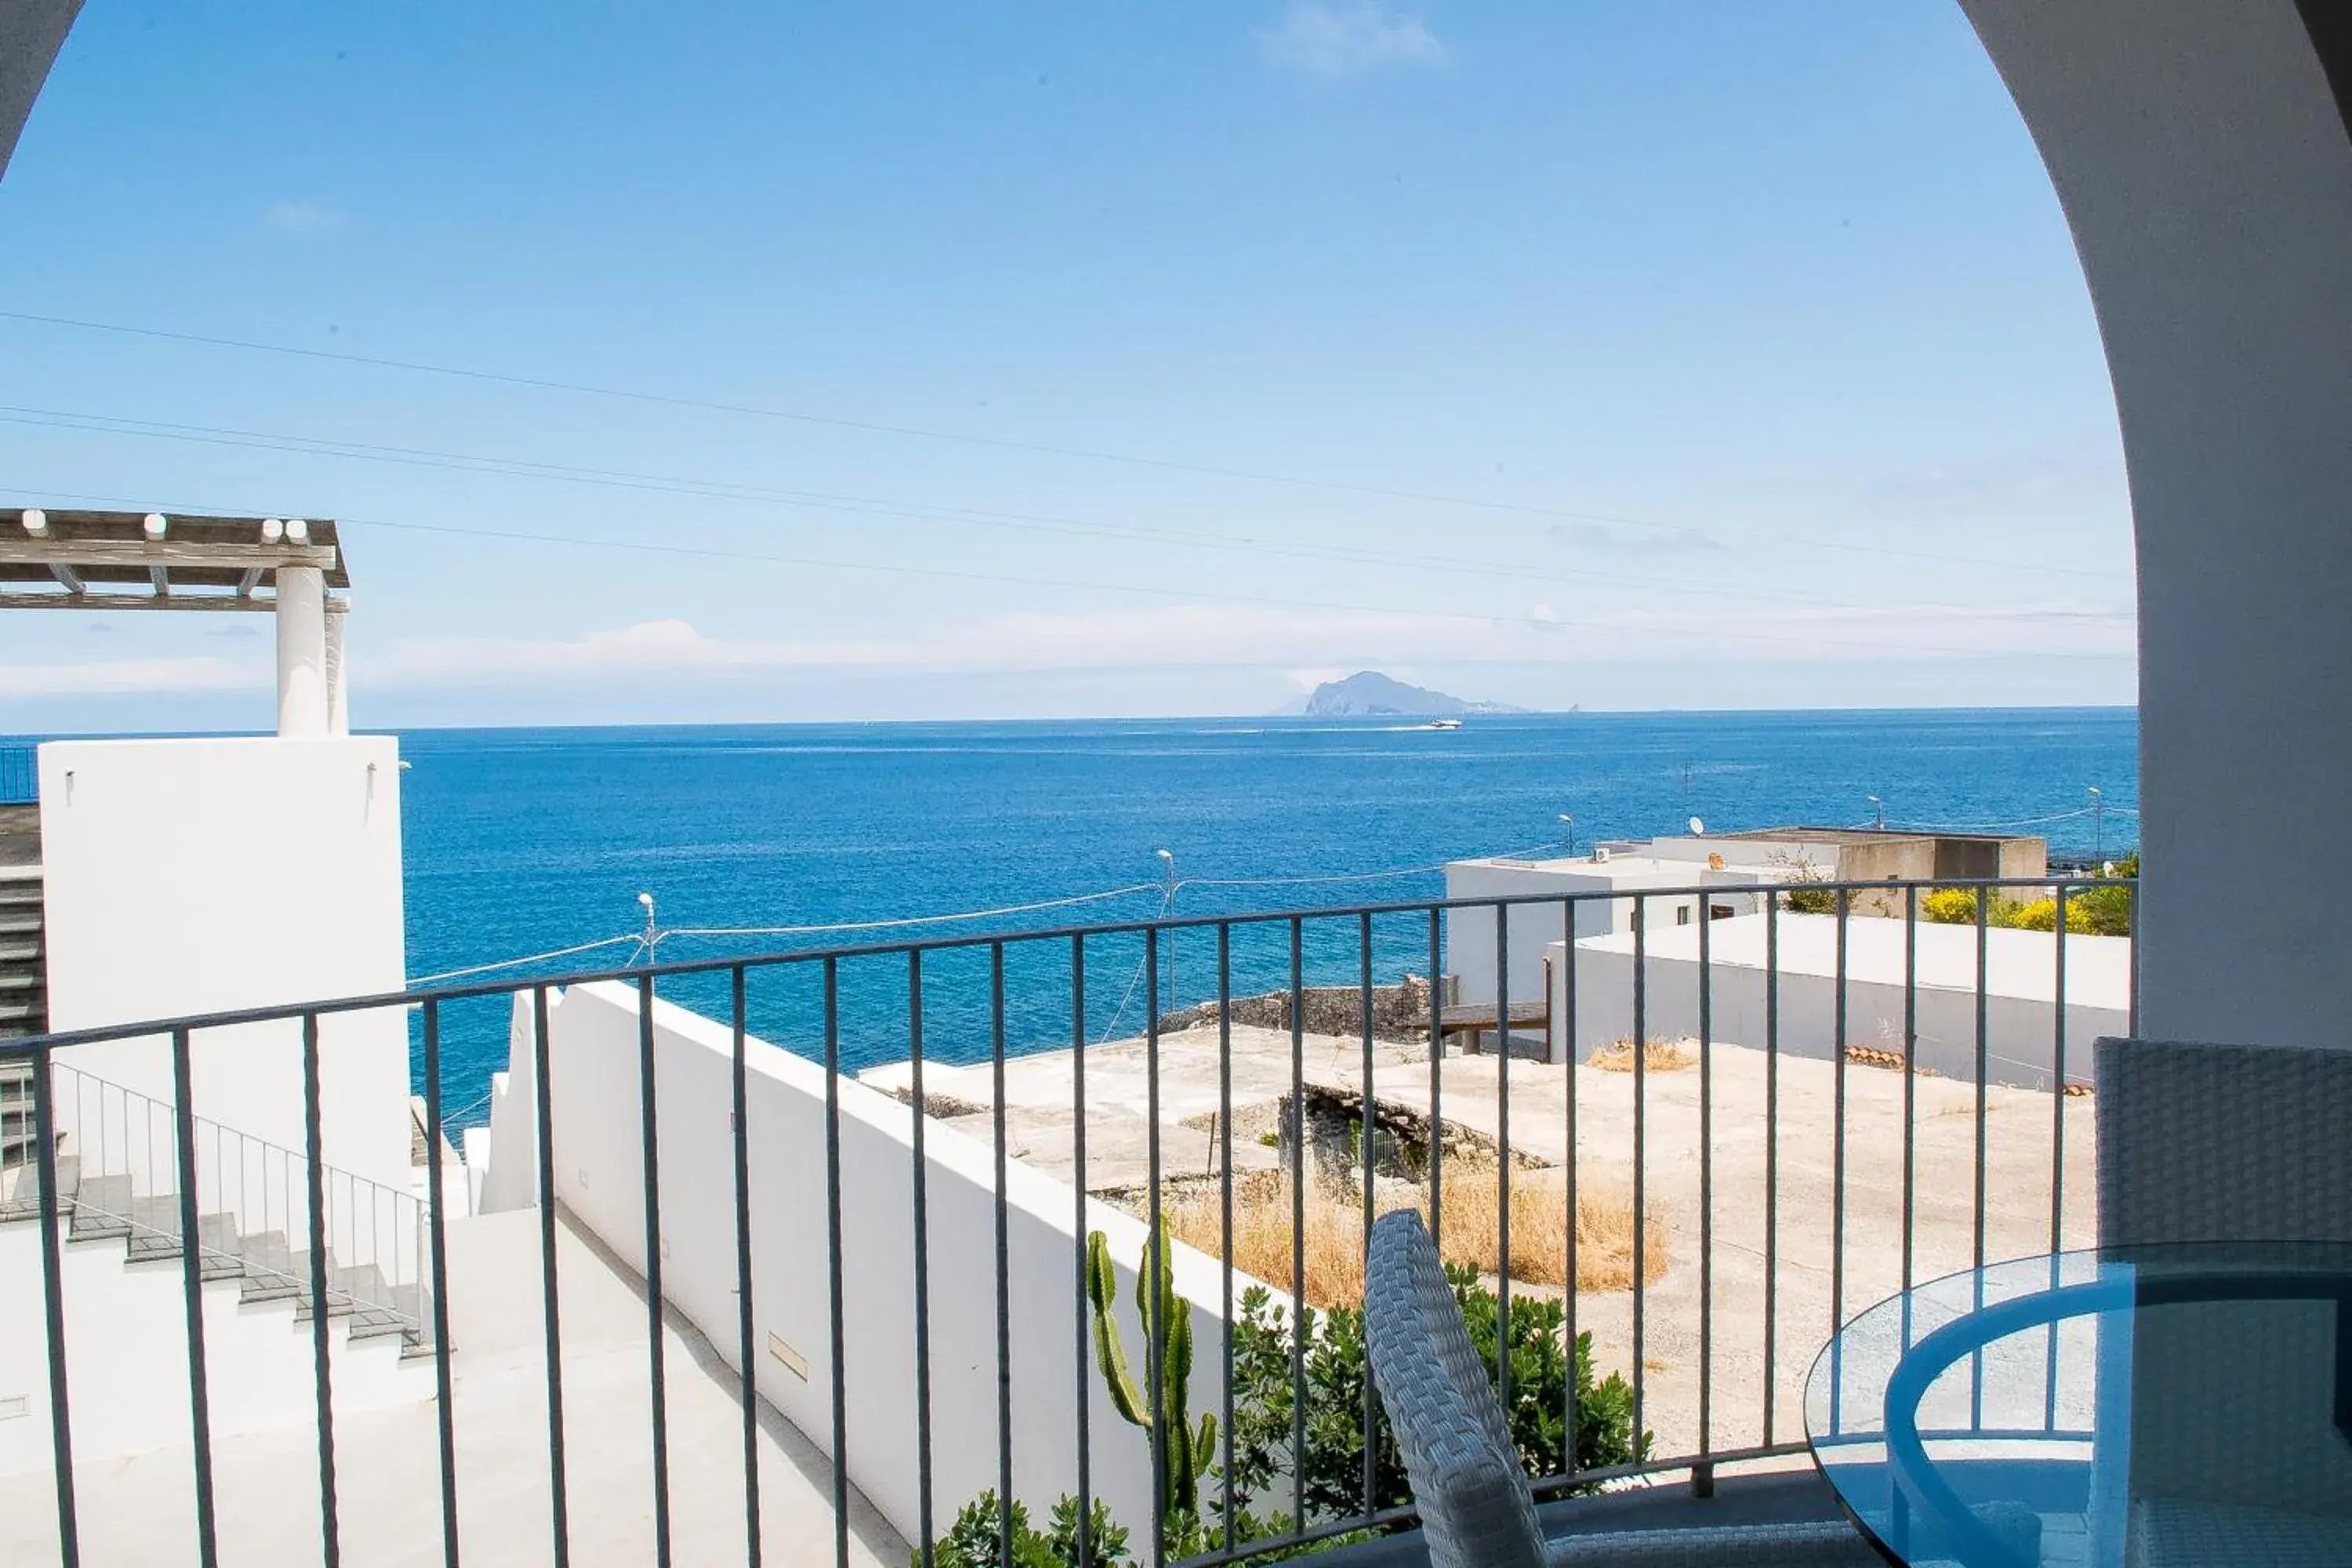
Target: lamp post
[[1568, 823], [2098, 827], [1168, 907], [1879, 808]]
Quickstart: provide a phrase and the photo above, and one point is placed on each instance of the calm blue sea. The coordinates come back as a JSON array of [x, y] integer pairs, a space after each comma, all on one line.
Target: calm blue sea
[[520, 841]]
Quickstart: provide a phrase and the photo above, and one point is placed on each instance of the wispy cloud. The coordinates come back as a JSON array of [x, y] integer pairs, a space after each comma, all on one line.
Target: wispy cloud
[[1306, 647], [1625, 539], [122, 675], [1343, 38], [306, 219]]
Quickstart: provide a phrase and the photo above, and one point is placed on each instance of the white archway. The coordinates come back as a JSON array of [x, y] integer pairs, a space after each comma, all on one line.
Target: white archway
[[2204, 164]]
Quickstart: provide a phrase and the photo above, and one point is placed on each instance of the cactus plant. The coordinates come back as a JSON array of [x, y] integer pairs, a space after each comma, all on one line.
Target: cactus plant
[[1189, 1449]]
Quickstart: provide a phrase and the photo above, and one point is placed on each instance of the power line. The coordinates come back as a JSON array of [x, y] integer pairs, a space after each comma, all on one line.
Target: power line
[[820, 501], [587, 389], [1181, 595], [861, 506]]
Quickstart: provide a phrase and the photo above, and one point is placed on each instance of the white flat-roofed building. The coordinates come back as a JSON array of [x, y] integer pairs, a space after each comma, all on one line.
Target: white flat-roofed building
[[1611, 870]]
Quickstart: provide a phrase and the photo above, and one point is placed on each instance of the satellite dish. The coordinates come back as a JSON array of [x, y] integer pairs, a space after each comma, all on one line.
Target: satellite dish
[[1698, 828]]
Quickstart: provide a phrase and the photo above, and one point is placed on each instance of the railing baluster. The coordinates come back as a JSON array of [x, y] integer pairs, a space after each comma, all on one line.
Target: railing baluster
[[1503, 1154], [1641, 1150], [192, 1289], [437, 1219], [1910, 1098], [53, 1305], [650, 1115], [925, 1547], [1003, 1258], [1298, 1224], [1369, 1148], [330, 1527], [1157, 1282], [1837, 1171], [837, 1323], [741, 1117], [1225, 1200], [1436, 1077], [2058, 1147], [1703, 1474], [543, 1109], [1984, 1063], [1567, 910], [1081, 1306], [1771, 1163]]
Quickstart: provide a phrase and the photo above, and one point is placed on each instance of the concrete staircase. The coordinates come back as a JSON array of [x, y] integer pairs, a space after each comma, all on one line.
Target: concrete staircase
[[106, 1208], [24, 1001]]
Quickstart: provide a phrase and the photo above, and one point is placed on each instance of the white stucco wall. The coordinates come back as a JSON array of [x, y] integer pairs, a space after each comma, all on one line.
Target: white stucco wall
[[2020, 1017], [594, 1076], [127, 1347], [197, 876], [1537, 929]]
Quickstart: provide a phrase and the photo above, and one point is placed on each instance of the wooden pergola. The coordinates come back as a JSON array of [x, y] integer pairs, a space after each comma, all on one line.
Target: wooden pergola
[[58, 560], [146, 561]]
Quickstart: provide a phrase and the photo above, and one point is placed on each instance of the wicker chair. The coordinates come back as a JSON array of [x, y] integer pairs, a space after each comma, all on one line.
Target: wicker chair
[[2211, 1143], [1476, 1509]]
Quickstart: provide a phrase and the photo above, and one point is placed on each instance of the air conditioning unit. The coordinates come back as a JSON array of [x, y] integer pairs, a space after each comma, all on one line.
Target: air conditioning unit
[[1601, 854]]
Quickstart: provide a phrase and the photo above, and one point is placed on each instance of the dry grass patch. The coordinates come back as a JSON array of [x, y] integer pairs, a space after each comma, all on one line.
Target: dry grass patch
[[1333, 1249], [1658, 1055]]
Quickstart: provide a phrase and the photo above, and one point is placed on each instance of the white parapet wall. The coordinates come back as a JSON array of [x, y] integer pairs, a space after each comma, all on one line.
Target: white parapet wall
[[599, 1178], [194, 876], [2020, 985]]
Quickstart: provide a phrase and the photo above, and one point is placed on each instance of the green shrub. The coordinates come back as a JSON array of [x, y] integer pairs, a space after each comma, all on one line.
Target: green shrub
[[1810, 900], [1542, 1372], [973, 1541], [1950, 907]]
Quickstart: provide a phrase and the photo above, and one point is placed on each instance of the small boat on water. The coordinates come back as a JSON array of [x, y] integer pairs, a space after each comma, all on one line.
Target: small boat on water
[[1445, 724]]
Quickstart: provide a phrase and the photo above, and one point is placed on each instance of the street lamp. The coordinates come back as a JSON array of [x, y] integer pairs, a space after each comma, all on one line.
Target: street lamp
[[1879, 807], [1168, 907], [2098, 826], [1569, 822]]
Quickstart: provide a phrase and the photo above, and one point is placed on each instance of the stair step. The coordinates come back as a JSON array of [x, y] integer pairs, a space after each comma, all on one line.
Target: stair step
[[20, 1189], [18, 920], [342, 1295], [102, 1208]]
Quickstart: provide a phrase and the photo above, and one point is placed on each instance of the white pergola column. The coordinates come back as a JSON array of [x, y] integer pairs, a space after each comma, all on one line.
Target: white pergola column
[[339, 708], [303, 704]]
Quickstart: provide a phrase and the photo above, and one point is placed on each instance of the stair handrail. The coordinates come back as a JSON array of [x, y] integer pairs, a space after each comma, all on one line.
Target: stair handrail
[[397, 1232]]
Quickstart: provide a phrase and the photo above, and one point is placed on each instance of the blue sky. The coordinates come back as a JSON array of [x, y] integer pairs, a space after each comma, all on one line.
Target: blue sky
[[1075, 359]]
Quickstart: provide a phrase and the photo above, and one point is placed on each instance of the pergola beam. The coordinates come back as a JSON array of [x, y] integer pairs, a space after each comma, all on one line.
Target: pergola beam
[[66, 576], [69, 552], [86, 601]]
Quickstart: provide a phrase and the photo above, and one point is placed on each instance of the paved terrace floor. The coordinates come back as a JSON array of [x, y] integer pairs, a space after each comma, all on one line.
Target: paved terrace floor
[[142, 1509], [1811, 1293]]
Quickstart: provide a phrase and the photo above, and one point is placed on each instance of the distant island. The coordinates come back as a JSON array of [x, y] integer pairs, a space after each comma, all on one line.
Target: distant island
[[1370, 694]]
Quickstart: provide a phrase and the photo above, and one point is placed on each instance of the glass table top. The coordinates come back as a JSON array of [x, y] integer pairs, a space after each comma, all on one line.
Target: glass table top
[[2151, 1405]]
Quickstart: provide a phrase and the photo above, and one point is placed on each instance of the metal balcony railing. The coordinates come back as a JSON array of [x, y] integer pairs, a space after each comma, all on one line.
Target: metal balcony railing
[[1716, 1087]]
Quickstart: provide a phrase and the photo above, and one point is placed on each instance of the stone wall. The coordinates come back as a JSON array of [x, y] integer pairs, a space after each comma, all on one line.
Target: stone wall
[[1400, 1013]]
